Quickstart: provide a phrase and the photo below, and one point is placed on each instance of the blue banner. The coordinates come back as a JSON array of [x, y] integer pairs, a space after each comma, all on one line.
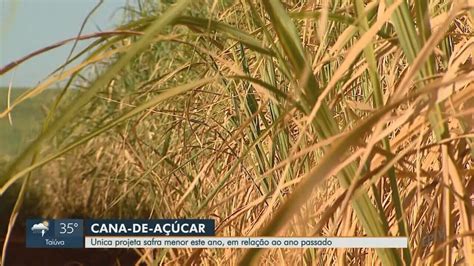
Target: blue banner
[[161, 227], [70, 233]]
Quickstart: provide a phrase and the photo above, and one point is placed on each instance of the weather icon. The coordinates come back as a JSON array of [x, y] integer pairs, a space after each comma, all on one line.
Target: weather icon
[[40, 228]]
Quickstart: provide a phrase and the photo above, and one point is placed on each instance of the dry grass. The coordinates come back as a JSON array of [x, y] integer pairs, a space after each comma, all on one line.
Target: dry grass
[[298, 119]]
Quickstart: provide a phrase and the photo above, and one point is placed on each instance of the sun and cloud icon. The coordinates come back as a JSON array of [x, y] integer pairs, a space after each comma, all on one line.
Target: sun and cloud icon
[[40, 228]]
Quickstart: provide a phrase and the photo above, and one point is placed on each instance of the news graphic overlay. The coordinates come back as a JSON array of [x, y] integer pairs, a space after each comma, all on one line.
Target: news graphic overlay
[[143, 233], [64, 233], [174, 233]]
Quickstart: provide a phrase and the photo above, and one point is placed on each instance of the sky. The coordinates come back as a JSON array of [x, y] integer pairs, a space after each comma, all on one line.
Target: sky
[[28, 25]]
